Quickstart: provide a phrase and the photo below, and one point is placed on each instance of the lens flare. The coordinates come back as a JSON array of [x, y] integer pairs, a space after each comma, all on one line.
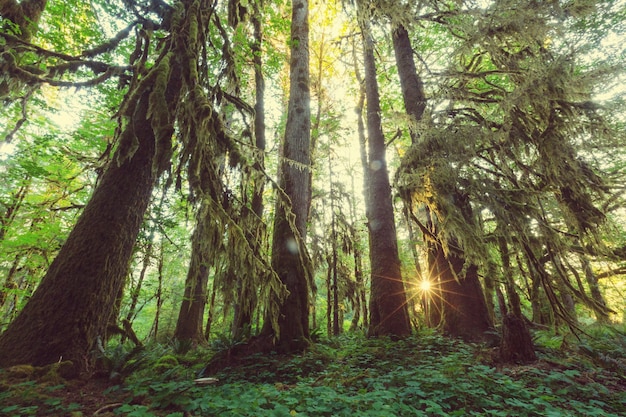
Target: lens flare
[[425, 285]]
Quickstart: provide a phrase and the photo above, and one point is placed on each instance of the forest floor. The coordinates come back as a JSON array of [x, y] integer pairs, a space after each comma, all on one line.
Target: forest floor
[[425, 375]]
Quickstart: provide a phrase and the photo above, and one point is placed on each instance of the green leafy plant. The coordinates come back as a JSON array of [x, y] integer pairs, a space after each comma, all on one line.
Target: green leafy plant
[[120, 361]]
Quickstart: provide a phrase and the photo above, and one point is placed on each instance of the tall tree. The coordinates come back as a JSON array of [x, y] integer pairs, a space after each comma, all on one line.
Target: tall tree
[[388, 304], [289, 256], [73, 303], [246, 290], [72, 306], [189, 326], [506, 145]]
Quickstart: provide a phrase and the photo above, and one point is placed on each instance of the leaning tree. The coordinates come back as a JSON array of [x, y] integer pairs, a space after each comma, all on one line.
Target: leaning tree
[[70, 310]]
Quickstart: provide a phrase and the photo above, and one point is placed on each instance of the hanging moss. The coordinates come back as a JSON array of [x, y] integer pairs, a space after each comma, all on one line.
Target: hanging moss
[[508, 126], [159, 114]]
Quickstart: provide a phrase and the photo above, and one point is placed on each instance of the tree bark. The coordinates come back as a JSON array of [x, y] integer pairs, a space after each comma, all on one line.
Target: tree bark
[[71, 308], [411, 83], [25, 14], [388, 304], [189, 326], [517, 344], [463, 307], [289, 258]]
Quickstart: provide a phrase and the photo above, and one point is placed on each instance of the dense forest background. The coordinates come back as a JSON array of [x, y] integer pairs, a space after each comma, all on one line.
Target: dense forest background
[[259, 175]]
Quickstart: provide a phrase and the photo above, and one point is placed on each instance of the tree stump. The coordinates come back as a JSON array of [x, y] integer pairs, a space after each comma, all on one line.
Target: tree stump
[[516, 345]]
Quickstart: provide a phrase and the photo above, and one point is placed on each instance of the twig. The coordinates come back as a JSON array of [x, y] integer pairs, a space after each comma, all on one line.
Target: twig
[[106, 408]]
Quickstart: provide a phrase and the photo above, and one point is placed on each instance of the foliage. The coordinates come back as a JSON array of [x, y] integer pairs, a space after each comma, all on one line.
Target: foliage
[[423, 375], [120, 360], [513, 126]]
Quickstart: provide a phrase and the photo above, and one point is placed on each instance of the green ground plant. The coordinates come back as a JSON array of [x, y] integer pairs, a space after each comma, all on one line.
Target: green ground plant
[[424, 375]]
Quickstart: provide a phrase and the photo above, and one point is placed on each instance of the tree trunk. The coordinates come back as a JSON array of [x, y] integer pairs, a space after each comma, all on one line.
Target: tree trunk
[[517, 344], [388, 310], [410, 82], [209, 319], [71, 308], [246, 300], [25, 14], [333, 243], [358, 258], [289, 258], [189, 326], [414, 104], [329, 297], [464, 309]]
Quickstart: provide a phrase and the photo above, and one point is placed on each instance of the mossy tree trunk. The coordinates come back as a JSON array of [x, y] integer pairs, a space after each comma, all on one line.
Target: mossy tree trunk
[[189, 326], [388, 303], [463, 308], [246, 299], [516, 344], [289, 258], [70, 310], [72, 306], [25, 15]]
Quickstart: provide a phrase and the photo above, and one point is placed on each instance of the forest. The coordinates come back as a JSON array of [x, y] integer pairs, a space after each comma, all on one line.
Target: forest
[[312, 208]]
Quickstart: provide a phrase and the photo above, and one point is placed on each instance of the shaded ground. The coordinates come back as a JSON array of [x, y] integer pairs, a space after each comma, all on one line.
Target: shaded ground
[[20, 397], [427, 375]]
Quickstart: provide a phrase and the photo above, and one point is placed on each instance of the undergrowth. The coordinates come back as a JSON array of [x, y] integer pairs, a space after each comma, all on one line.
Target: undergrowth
[[424, 375]]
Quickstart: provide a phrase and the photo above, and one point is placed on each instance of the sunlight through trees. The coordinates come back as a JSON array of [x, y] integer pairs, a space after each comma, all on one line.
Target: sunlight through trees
[[266, 174]]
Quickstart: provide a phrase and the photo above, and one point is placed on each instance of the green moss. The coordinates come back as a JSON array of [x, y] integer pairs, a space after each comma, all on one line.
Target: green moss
[[165, 363]]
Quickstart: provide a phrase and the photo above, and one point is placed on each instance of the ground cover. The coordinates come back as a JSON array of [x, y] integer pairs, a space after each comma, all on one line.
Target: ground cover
[[425, 375]]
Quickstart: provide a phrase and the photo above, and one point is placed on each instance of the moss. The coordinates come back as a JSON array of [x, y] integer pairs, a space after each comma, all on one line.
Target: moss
[[165, 362], [55, 373], [19, 372]]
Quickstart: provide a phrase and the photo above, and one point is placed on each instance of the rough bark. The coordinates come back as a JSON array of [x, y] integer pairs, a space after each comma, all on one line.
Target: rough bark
[[25, 14], [411, 83], [189, 326], [72, 306], [246, 301], [463, 308], [289, 259], [516, 345], [388, 304]]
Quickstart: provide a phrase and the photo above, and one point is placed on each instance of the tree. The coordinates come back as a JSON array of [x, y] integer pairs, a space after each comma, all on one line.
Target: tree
[[25, 15], [388, 305], [502, 158], [189, 326], [72, 306], [246, 301], [289, 255]]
